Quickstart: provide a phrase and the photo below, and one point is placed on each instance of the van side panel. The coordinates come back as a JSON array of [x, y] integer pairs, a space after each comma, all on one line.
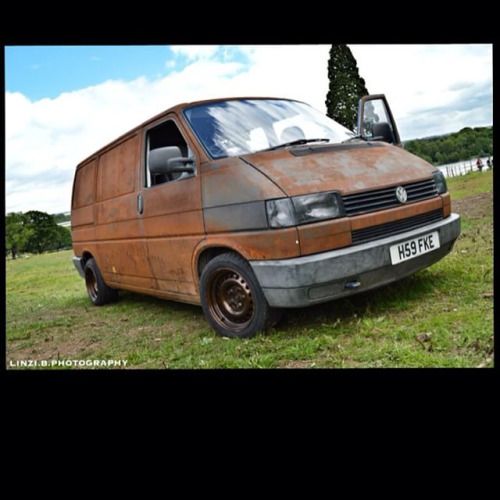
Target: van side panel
[[82, 217], [121, 251], [232, 181], [118, 169], [173, 226], [82, 209], [84, 194]]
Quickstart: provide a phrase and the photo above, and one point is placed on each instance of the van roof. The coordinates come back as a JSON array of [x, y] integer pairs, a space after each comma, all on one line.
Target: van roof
[[173, 109]]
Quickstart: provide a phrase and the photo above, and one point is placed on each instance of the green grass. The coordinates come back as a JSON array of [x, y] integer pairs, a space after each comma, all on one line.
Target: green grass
[[471, 184], [49, 315]]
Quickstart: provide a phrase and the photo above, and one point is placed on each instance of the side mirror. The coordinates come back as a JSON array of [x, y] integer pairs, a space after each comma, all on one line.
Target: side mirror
[[375, 120], [169, 160], [383, 132]]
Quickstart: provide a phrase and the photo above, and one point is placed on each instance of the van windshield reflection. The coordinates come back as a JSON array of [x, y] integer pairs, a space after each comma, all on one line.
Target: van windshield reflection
[[244, 126]]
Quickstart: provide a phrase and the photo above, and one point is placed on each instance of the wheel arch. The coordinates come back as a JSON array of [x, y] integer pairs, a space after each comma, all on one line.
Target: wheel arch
[[207, 253], [86, 255]]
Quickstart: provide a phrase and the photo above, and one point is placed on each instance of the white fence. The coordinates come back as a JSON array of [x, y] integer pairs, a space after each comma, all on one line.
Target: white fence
[[463, 167]]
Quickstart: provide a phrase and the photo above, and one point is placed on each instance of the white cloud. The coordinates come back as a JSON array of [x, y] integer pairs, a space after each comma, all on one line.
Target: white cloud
[[194, 52], [45, 139]]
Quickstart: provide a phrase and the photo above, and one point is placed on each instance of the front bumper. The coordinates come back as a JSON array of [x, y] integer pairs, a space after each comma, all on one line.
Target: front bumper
[[313, 279]]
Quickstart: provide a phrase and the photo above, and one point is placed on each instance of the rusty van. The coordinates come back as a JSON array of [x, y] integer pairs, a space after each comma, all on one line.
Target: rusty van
[[248, 206]]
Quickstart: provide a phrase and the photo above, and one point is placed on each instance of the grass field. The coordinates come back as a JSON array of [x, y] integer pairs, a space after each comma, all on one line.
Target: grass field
[[439, 317]]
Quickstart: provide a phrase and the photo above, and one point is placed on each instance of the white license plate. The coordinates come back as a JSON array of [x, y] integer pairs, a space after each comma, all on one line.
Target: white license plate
[[410, 249]]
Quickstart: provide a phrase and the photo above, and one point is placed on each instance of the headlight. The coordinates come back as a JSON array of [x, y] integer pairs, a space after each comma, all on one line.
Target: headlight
[[440, 181], [316, 207], [280, 213], [287, 212]]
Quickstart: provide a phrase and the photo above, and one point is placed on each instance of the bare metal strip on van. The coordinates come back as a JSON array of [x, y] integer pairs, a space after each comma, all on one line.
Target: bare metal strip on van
[[308, 150]]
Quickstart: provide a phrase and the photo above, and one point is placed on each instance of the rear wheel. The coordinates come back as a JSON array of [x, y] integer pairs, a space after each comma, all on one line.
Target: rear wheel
[[99, 292], [232, 299]]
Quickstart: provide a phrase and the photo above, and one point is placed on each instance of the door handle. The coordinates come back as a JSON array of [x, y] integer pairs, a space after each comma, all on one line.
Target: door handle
[[140, 204]]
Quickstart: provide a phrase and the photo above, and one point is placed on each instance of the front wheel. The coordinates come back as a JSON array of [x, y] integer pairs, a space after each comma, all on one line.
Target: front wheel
[[232, 299]]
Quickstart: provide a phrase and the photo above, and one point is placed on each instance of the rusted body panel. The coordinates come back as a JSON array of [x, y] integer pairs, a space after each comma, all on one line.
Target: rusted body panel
[[83, 216], [119, 232], [172, 227], [446, 204], [117, 173], [232, 181], [256, 245], [81, 236], [124, 259], [85, 187], [170, 260], [113, 210], [157, 251], [353, 170], [322, 236], [83, 207]]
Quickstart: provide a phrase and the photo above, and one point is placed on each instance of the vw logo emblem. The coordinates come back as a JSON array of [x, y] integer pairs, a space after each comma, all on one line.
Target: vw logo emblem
[[401, 194]]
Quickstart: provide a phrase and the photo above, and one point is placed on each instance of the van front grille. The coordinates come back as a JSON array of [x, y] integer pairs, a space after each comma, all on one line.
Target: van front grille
[[380, 199], [396, 227]]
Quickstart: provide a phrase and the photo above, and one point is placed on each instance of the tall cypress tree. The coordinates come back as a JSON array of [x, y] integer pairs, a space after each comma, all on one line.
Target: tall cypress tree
[[346, 86]]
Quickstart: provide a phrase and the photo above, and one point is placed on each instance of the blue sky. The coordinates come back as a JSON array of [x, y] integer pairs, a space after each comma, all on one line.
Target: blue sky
[[46, 71], [42, 71], [63, 103]]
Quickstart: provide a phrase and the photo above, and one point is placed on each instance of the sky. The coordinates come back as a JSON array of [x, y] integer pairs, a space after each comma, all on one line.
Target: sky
[[65, 102]]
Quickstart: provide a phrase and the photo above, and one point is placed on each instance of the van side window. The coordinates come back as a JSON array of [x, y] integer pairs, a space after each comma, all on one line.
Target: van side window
[[165, 134]]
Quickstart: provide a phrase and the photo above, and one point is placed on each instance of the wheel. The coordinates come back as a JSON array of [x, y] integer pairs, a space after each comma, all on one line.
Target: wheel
[[98, 291], [232, 299]]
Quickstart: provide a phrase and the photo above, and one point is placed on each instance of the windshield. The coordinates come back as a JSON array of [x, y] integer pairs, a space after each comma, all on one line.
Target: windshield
[[238, 127]]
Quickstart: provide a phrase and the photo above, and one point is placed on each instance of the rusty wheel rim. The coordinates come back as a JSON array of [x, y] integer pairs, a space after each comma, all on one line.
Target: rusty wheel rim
[[230, 300], [91, 283]]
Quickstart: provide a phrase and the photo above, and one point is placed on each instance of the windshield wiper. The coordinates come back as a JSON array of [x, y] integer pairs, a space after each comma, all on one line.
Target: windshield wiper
[[297, 142], [353, 138]]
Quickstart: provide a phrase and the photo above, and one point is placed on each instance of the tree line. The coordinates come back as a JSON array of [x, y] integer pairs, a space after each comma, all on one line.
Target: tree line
[[62, 217], [34, 232], [466, 144]]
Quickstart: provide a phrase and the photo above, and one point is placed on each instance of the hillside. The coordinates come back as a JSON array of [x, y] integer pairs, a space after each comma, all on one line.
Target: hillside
[[463, 145]]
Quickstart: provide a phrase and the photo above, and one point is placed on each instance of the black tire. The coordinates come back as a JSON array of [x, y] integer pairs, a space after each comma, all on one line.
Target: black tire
[[99, 292], [232, 299]]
